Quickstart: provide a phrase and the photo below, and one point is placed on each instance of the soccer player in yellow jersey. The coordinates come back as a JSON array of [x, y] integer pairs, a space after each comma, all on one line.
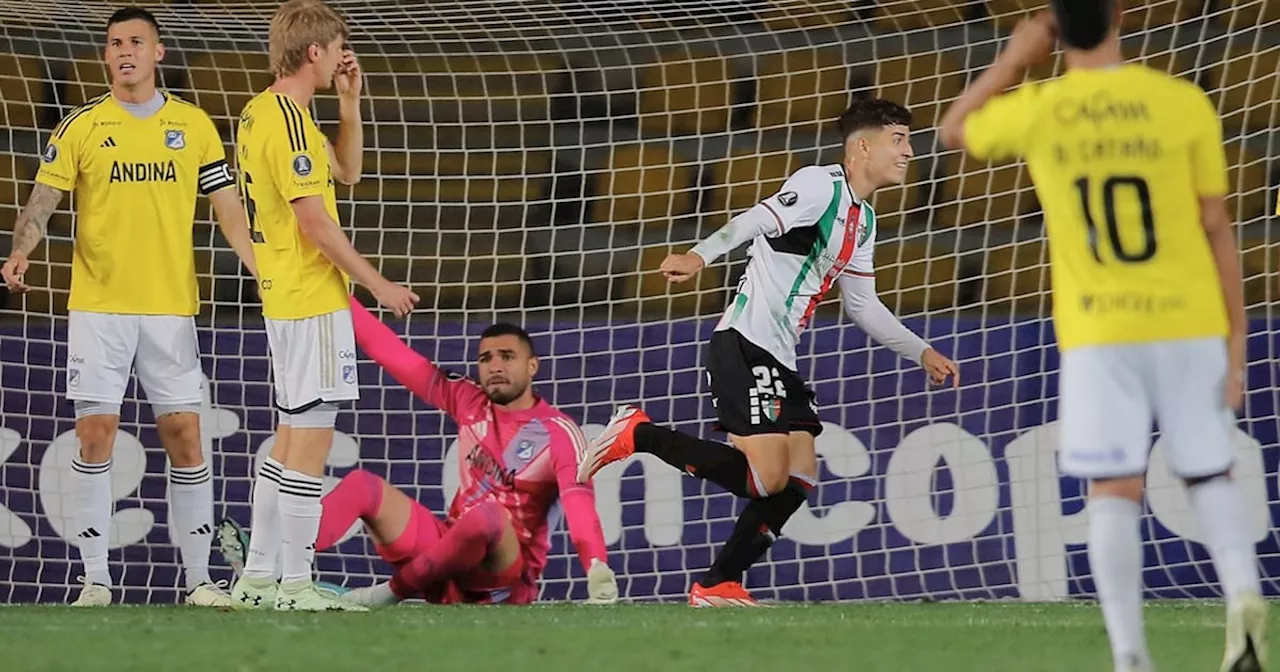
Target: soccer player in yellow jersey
[[287, 169], [136, 158], [1129, 167]]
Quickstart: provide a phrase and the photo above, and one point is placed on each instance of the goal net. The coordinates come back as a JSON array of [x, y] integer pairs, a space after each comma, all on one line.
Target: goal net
[[534, 161]]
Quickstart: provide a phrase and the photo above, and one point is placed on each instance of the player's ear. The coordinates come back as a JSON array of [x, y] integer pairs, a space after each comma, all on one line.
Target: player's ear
[[533, 366], [160, 51]]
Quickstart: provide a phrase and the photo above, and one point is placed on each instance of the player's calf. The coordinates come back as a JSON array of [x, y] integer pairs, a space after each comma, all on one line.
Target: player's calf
[[190, 501], [482, 536], [96, 425]]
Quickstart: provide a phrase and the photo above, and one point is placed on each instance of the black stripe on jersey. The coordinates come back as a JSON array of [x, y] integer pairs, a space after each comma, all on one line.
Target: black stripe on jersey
[[798, 241], [214, 177], [293, 121], [66, 122]]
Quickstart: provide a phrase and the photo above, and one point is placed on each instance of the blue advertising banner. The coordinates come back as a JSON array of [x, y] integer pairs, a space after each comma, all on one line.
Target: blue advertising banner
[[925, 494]]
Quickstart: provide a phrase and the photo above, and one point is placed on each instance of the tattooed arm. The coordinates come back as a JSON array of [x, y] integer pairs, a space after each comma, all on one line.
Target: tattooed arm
[[30, 228]]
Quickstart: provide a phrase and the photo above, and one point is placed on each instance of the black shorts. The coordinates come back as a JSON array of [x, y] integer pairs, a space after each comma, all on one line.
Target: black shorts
[[753, 393]]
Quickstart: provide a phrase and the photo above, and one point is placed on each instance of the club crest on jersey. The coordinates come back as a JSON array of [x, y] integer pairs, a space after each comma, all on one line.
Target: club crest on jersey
[[73, 378], [50, 153], [788, 198], [175, 139], [302, 165], [864, 231], [349, 373], [524, 450]]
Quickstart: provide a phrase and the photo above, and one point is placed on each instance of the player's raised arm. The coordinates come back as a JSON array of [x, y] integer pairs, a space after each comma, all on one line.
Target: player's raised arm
[[578, 500], [1032, 42], [348, 156], [28, 231], [411, 369], [801, 201]]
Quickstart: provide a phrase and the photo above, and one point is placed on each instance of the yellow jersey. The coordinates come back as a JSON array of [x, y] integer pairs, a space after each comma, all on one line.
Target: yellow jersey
[[135, 183], [1120, 158], [282, 156]]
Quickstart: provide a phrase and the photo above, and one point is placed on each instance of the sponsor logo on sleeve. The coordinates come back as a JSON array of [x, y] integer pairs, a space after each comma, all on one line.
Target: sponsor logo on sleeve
[[50, 153]]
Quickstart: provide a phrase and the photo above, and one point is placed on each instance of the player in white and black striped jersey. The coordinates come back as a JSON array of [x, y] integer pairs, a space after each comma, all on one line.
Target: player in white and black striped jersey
[[816, 232]]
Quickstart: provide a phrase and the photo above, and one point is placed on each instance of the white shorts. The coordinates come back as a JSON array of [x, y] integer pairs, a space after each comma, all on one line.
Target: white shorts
[[313, 360], [102, 348], [1111, 393]]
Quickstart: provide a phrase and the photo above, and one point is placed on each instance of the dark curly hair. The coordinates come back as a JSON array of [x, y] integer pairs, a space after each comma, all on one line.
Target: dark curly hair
[[1084, 24], [872, 113]]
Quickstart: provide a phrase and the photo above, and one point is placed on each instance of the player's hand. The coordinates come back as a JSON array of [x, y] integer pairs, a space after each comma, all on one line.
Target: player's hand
[[398, 299], [14, 268], [940, 368], [681, 267], [602, 586], [348, 80], [1033, 40]]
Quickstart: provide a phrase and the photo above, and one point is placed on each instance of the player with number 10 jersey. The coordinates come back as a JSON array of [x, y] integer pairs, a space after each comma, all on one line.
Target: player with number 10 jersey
[[1129, 167]]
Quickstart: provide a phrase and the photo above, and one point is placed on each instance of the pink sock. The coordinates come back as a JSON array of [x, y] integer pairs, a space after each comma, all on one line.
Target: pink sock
[[358, 495], [459, 551]]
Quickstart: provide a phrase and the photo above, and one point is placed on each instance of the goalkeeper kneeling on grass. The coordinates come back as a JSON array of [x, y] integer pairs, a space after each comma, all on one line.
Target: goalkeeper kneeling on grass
[[518, 456]]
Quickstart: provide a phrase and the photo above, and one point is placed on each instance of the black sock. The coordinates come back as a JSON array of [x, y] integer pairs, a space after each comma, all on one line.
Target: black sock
[[717, 462], [757, 528]]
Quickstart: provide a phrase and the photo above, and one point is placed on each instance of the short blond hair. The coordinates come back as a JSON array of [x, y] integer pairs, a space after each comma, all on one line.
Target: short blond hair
[[297, 25]]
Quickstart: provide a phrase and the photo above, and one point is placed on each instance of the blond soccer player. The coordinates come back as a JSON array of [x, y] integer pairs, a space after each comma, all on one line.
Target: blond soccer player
[[287, 170], [136, 158], [1129, 166]]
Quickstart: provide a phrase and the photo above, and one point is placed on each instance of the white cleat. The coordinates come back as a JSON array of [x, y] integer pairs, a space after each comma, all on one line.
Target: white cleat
[[210, 595], [92, 595], [254, 593], [1246, 647], [378, 595], [303, 596]]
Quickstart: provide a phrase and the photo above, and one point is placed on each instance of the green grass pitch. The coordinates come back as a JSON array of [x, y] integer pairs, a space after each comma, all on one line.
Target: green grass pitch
[[951, 637]]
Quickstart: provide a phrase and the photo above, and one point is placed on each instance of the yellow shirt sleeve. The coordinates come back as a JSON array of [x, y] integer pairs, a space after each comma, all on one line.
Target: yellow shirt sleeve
[[1208, 157], [1002, 128], [215, 174], [299, 164], [60, 163]]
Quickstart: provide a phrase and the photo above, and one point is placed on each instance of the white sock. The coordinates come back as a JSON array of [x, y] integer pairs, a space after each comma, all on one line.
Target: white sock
[[1220, 506], [1115, 555], [264, 523], [299, 523], [191, 519], [92, 483]]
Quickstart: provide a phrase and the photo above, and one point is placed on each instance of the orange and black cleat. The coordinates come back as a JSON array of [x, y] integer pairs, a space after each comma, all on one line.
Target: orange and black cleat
[[616, 442], [727, 594]]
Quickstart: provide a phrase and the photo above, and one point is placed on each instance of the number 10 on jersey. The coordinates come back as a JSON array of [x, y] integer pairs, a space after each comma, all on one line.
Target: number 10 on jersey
[[1111, 190]]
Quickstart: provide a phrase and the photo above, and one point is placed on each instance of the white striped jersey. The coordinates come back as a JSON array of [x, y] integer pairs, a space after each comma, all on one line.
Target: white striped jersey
[[822, 230]]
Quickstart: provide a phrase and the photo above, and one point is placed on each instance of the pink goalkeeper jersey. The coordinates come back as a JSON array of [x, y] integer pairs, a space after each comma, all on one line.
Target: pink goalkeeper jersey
[[524, 460]]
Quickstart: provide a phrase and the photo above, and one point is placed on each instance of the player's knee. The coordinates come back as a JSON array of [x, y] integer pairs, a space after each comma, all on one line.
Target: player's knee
[[366, 482], [493, 521], [1128, 487], [775, 482], [180, 435], [97, 435]]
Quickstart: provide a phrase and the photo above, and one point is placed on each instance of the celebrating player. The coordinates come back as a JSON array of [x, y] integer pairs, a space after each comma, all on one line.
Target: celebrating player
[[287, 169], [1129, 167], [518, 455], [136, 158], [819, 229]]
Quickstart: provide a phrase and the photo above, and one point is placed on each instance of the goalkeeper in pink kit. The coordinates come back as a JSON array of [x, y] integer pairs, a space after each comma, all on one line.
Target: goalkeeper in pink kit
[[517, 455]]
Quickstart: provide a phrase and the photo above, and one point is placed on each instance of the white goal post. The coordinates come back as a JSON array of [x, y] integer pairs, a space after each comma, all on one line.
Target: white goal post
[[533, 161]]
